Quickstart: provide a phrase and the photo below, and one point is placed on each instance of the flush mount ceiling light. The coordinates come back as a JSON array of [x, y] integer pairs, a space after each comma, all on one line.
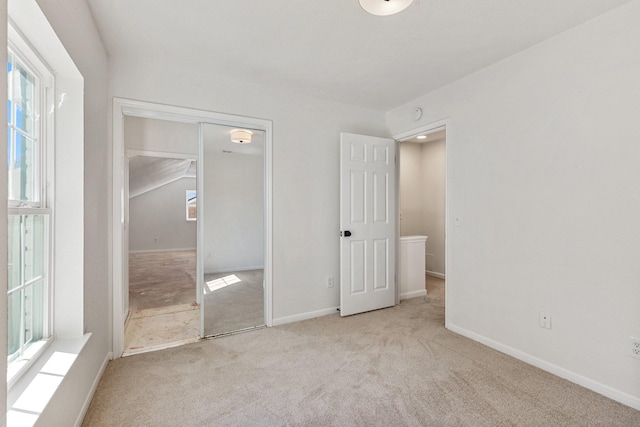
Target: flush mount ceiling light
[[422, 137], [241, 136], [384, 7]]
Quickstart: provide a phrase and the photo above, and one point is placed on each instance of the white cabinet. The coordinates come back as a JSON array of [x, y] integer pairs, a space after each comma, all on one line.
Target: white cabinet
[[411, 266]]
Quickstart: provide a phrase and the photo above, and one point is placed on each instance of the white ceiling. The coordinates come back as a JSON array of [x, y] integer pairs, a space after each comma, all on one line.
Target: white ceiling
[[332, 49]]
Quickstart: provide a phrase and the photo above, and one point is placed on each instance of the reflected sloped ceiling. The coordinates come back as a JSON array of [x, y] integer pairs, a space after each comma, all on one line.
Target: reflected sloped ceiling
[[149, 173]]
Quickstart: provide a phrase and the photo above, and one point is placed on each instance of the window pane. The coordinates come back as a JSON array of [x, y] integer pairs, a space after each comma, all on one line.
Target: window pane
[[23, 173], [28, 314], [26, 306], [24, 98], [34, 315], [15, 252], [33, 247], [33, 312], [14, 310], [10, 86], [9, 150]]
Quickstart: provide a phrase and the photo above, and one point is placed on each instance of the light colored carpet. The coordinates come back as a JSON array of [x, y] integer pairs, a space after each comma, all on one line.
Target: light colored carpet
[[392, 367], [233, 301]]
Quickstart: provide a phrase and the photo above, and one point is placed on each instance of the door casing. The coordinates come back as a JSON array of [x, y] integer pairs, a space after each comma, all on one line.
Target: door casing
[[118, 246], [430, 127]]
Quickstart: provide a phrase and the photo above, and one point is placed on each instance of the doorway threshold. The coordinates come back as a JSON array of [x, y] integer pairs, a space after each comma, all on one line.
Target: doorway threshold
[[162, 346], [237, 331]]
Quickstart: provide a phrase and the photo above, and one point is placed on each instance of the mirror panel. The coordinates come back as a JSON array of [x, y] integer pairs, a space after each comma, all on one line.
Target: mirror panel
[[232, 215]]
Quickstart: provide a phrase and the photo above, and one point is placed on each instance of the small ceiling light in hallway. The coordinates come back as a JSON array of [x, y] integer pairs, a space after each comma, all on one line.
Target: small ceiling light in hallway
[[384, 7], [241, 136]]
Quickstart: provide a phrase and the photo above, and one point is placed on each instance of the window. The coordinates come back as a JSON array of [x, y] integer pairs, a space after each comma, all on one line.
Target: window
[[29, 164], [46, 239]]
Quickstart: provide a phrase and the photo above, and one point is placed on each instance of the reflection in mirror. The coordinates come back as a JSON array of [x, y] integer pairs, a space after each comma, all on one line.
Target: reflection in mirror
[[162, 292], [232, 198]]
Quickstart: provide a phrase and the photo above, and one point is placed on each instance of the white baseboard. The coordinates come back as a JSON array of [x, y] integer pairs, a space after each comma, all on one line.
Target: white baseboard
[[434, 274], [605, 390], [304, 316], [92, 391], [232, 269], [413, 294], [154, 251]]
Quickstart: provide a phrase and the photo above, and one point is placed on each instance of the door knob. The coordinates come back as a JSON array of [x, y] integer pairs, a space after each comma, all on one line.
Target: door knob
[[347, 233]]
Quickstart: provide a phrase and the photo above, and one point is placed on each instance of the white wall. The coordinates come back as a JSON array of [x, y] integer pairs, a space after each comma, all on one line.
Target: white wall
[[157, 219], [305, 166], [433, 199], [234, 206], [422, 197], [411, 187], [542, 169]]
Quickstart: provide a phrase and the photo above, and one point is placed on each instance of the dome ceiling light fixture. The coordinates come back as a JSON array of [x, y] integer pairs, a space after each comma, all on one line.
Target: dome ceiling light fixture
[[241, 136], [385, 7]]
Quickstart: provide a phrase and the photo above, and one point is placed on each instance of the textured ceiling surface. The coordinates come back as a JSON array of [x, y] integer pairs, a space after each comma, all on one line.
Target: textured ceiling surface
[[333, 49]]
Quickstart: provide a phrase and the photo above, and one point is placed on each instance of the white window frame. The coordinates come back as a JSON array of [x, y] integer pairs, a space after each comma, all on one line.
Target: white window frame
[[44, 136]]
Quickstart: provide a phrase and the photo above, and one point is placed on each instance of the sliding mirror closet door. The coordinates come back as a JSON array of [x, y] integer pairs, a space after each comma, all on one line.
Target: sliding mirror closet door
[[232, 215]]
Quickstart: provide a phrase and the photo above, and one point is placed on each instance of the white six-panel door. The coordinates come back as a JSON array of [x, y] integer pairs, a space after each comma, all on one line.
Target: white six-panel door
[[367, 223]]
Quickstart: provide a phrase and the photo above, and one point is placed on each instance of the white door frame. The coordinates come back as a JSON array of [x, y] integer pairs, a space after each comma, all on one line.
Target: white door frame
[[126, 107], [430, 127]]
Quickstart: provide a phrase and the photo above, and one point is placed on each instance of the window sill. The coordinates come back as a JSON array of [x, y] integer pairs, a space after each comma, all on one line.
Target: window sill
[[16, 368], [29, 396]]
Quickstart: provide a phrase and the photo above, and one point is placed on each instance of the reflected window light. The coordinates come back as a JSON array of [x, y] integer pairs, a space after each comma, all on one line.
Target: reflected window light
[[22, 419], [36, 396], [222, 282], [24, 412], [59, 363]]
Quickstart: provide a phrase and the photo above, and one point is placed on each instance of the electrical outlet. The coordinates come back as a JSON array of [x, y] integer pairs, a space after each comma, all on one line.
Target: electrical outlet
[[635, 347], [330, 282], [544, 319]]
